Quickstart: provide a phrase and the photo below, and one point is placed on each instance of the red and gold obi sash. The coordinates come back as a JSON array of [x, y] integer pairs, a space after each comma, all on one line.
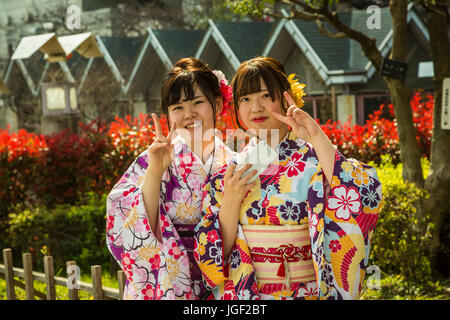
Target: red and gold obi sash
[[280, 253]]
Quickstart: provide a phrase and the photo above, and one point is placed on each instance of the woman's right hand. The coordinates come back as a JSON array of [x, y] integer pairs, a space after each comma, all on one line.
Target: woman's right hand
[[160, 151], [236, 186]]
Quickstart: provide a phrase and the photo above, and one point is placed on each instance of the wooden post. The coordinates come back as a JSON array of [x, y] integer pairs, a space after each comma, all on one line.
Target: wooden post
[[121, 277], [28, 276], [333, 104], [9, 274], [49, 277], [96, 274], [72, 280]]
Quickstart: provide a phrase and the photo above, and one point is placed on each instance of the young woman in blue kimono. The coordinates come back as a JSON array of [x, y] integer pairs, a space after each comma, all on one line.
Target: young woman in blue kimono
[[153, 209], [302, 229]]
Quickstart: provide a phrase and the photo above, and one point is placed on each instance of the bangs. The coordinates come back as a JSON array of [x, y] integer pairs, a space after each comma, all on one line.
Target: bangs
[[185, 82], [248, 82]]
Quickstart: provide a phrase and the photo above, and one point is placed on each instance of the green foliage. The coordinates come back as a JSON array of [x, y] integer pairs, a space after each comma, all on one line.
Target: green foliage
[[66, 232], [61, 291], [400, 239], [257, 8], [249, 7], [394, 287]]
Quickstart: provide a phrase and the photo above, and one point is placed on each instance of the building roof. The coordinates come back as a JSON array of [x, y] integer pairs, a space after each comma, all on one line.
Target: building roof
[[179, 43], [336, 60], [246, 39], [123, 51], [345, 54]]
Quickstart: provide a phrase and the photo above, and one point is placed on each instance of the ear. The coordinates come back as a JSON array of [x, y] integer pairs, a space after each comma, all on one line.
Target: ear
[[219, 104]]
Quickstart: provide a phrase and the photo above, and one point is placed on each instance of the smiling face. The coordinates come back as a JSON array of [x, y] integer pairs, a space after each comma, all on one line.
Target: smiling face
[[193, 114], [255, 113]]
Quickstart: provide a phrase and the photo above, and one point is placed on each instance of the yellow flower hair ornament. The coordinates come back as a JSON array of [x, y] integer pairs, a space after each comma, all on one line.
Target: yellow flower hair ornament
[[297, 92]]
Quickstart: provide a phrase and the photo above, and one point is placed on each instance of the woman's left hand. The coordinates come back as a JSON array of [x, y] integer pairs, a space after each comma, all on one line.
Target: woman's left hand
[[309, 130], [302, 124]]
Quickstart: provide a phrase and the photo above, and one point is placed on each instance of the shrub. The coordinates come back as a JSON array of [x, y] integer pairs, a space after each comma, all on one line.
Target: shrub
[[65, 232], [72, 165], [128, 138], [398, 245], [379, 135], [18, 154]]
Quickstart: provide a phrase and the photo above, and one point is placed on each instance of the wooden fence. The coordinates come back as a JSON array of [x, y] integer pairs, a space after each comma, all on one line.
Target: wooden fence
[[99, 292]]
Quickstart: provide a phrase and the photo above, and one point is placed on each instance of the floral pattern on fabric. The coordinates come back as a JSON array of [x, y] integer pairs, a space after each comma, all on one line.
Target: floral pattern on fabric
[[160, 270], [341, 219]]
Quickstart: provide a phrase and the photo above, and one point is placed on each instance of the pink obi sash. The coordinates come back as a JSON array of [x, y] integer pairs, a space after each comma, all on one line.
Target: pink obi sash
[[281, 254]]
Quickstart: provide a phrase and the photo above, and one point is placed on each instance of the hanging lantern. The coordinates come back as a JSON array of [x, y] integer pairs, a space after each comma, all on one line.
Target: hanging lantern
[[59, 99]]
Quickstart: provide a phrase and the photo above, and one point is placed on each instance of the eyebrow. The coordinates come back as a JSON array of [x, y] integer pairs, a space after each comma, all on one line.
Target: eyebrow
[[196, 97]]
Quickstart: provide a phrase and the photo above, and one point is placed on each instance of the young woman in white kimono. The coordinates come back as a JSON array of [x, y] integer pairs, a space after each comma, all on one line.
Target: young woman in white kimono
[[302, 228], [153, 209]]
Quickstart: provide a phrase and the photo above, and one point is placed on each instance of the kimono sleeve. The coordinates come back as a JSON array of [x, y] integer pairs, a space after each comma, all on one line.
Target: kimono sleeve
[[345, 228], [208, 245], [130, 239]]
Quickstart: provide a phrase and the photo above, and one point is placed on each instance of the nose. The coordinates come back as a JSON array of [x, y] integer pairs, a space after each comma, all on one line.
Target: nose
[[189, 112], [257, 106]]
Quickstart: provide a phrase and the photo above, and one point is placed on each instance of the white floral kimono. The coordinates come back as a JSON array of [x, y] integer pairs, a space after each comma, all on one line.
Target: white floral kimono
[[161, 270]]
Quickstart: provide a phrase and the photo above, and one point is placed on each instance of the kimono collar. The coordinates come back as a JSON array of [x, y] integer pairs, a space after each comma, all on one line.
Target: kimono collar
[[218, 154], [289, 136]]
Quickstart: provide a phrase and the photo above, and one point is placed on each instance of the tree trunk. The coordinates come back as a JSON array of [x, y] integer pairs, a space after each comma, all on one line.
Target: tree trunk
[[438, 180], [410, 153]]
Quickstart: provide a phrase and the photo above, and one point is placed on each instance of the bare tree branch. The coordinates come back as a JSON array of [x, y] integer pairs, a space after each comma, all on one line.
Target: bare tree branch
[[323, 30], [322, 13]]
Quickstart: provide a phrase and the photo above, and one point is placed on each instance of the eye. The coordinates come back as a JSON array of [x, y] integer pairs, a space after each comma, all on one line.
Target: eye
[[198, 102], [243, 99], [266, 95], [177, 108]]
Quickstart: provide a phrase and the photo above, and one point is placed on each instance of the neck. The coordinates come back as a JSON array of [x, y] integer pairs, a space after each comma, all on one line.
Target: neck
[[204, 149]]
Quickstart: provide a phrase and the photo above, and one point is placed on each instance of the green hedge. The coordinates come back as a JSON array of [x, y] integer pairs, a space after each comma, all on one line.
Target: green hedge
[[66, 232], [398, 246]]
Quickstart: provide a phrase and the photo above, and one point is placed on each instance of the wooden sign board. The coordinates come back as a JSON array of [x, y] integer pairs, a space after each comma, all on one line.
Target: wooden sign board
[[393, 69], [445, 113]]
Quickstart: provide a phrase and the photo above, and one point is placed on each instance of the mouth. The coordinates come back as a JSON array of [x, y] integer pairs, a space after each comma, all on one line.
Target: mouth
[[193, 125], [259, 119]]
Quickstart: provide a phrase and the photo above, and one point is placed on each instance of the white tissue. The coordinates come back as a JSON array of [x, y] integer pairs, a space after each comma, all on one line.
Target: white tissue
[[259, 155]]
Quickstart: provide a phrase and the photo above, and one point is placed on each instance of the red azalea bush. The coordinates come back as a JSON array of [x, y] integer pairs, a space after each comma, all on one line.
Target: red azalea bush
[[422, 107], [368, 142], [379, 135], [92, 160], [72, 165], [128, 138], [18, 153]]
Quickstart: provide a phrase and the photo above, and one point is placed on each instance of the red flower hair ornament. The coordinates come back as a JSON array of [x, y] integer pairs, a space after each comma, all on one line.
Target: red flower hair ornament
[[226, 91]]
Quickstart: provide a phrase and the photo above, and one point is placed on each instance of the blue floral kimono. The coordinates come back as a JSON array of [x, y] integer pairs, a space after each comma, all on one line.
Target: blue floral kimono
[[338, 219]]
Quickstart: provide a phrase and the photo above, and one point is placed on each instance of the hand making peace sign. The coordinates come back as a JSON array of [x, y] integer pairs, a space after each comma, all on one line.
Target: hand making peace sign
[[160, 151], [301, 122]]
